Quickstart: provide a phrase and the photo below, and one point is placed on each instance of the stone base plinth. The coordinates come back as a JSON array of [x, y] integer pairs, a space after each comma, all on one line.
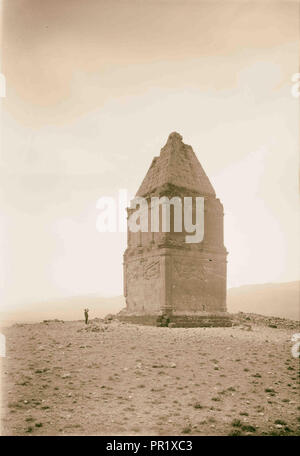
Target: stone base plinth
[[178, 321], [150, 320], [198, 321]]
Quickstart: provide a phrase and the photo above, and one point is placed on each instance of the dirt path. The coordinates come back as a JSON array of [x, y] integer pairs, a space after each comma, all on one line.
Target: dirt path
[[120, 379]]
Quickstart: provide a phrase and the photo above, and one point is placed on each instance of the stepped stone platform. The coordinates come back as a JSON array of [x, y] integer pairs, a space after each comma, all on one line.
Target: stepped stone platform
[[177, 321]]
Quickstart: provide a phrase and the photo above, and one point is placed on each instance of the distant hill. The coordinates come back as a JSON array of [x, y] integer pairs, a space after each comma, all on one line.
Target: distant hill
[[64, 309], [272, 299]]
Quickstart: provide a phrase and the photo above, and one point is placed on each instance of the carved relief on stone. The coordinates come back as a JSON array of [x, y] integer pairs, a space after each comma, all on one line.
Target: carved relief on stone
[[151, 269], [216, 269], [188, 269], [133, 272]]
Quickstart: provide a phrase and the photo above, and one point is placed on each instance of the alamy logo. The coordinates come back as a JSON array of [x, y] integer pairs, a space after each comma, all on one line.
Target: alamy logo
[[295, 90], [2, 86], [2, 346], [296, 346], [153, 215]]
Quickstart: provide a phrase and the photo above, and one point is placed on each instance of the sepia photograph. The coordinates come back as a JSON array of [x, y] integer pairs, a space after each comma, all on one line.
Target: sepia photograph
[[149, 221]]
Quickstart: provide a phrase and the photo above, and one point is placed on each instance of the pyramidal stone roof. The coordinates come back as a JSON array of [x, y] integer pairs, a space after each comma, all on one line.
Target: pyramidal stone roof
[[177, 165]]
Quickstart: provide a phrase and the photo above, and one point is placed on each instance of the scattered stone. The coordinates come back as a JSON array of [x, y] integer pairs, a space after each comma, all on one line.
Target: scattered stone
[[263, 320], [67, 375], [246, 327]]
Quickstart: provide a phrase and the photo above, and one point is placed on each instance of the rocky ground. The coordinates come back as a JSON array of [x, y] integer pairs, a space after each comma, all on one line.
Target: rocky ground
[[112, 378]]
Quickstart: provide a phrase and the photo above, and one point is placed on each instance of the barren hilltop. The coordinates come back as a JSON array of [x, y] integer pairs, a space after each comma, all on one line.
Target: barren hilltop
[[112, 378], [270, 299]]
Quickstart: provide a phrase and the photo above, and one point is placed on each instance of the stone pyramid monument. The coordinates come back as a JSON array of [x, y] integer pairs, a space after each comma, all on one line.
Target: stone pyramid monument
[[168, 281]]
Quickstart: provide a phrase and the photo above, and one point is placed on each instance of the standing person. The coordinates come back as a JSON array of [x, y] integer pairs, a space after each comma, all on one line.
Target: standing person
[[86, 315]]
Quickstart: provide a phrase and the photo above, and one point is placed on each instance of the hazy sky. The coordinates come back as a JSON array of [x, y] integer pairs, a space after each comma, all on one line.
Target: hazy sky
[[93, 90]]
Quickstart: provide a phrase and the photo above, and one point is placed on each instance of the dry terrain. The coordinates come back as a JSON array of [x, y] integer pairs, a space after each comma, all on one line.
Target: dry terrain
[[276, 299], [112, 378]]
